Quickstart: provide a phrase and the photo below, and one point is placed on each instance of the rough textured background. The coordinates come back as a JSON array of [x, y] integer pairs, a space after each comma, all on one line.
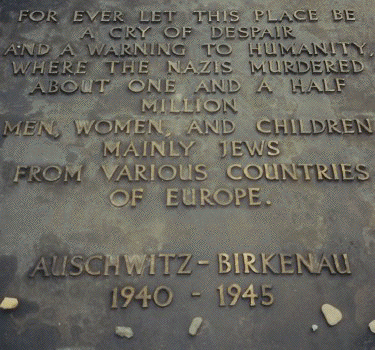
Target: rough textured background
[[68, 219]]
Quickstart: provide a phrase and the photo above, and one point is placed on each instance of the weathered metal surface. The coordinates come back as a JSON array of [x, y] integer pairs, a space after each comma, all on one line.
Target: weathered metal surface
[[321, 202]]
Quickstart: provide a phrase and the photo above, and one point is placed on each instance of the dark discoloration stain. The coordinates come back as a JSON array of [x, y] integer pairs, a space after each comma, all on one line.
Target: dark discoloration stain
[[24, 308], [50, 244], [7, 173], [365, 342], [8, 269], [36, 336]]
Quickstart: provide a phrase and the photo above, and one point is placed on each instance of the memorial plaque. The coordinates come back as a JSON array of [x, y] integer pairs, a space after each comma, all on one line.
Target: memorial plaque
[[187, 175]]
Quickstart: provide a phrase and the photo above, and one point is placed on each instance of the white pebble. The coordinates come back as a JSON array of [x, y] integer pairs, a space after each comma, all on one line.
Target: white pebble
[[195, 324], [124, 332], [372, 326], [9, 303], [332, 315], [314, 327]]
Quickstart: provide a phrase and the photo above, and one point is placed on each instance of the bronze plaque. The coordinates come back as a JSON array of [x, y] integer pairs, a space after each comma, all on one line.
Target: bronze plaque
[[187, 175]]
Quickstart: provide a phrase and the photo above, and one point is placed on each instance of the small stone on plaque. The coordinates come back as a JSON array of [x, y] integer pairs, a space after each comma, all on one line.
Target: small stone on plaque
[[332, 315], [9, 303], [124, 332], [195, 324], [372, 326]]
